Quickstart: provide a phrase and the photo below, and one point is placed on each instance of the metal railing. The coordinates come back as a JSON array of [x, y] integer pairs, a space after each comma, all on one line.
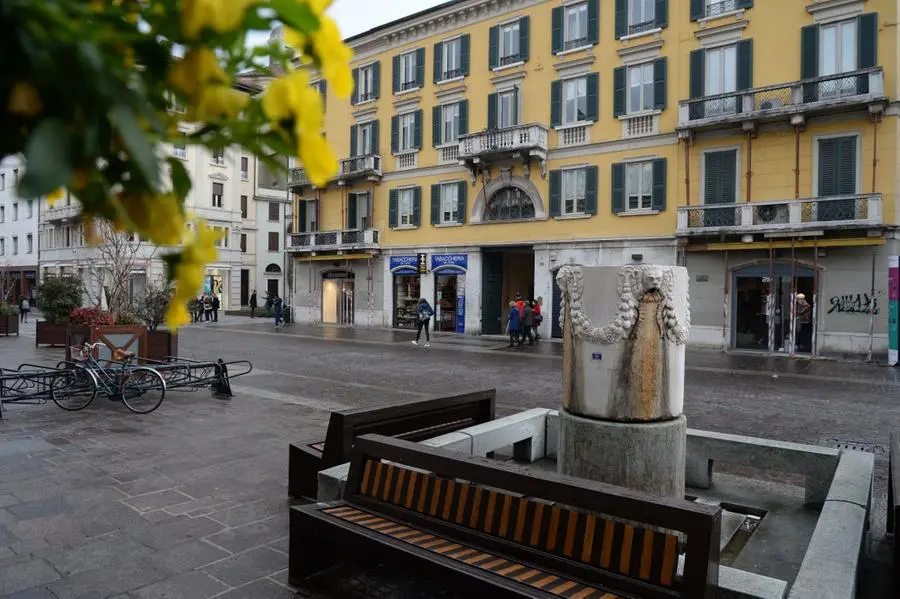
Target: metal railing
[[356, 166], [783, 215], [786, 98], [407, 85], [575, 43], [510, 59], [333, 240], [365, 96], [510, 139], [61, 213], [642, 27], [451, 74], [298, 177], [717, 8]]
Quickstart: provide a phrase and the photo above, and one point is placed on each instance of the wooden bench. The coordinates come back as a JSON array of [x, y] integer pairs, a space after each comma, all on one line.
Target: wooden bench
[[501, 529], [413, 421], [893, 502]]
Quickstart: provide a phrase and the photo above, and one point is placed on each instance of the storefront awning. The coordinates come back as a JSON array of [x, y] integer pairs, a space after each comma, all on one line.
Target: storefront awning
[[786, 244], [449, 269], [334, 258]]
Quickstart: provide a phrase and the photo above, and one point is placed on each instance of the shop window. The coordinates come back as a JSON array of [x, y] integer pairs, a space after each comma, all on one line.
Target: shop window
[[406, 298]]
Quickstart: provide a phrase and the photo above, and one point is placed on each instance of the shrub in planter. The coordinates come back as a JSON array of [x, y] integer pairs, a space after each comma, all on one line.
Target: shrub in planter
[[9, 310], [90, 317], [151, 309], [9, 319], [127, 319], [57, 297]]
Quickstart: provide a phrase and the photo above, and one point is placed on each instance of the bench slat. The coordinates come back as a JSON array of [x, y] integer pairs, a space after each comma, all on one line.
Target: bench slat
[[472, 556]]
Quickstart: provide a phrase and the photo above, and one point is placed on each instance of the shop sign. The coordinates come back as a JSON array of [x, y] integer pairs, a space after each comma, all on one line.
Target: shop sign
[[423, 263], [404, 265], [450, 263], [893, 310]]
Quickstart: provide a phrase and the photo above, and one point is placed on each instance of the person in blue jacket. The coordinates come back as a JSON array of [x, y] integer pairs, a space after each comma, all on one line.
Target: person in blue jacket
[[424, 312], [513, 324]]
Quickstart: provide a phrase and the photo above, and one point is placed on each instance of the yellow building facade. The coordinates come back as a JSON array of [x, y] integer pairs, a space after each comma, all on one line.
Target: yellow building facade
[[488, 143]]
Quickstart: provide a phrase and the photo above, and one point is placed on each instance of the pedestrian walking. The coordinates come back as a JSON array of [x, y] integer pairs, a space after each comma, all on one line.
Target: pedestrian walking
[[276, 305], [24, 308], [538, 317], [207, 307], [527, 324], [253, 304], [424, 312], [215, 307], [513, 321]]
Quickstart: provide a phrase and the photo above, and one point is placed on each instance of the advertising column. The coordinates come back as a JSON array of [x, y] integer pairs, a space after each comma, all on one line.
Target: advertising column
[[893, 310], [450, 291]]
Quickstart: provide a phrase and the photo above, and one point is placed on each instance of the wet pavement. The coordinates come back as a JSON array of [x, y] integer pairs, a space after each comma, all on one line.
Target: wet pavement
[[190, 501]]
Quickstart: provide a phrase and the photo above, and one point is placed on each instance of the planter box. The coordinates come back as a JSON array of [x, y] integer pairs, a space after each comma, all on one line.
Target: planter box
[[161, 345], [127, 338], [50, 333], [9, 325]]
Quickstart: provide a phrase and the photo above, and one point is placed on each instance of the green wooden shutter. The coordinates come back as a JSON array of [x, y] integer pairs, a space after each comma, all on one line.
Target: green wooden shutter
[[436, 126], [618, 188], [809, 60], [660, 74], [420, 67], [593, 21], [392, 207], [492, 111], [301, 220], [867, 40], [395, 134], [354, 136], [744, 65], [516, 106], [621, 18], [376, 79], [351, 210], [697, 85], [417, 130], [662, 13], [555, 193], [396, 74], [354, 97], [827, 167], [417, 206], [438, 62], [698, 9], [375, 141], [846, 166], [619, 91], [590, 190], [556, 28], [712, 177], [464, 51], [494, 47], [463, 117], [729, 177], [744, 4], [659, 184], [436, 204], [461, 201], [556, 103], [524, 36], [593, 97]]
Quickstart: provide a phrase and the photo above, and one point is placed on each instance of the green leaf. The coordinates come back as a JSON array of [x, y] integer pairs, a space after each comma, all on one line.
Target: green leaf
[[296, 14], [181, 180], [137, 143], [48, 159]]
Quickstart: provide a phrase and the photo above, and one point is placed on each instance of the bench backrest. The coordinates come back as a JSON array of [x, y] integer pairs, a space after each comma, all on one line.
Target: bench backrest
[[414, 421], [591, 530]]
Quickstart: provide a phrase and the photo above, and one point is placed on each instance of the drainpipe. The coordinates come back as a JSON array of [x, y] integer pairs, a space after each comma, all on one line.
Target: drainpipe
[[749, 162], [814, 350], [687, 170], [876, 118], [797, 161]]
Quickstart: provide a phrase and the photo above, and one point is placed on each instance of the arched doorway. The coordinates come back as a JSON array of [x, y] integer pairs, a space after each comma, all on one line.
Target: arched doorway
[[337, 296], [762, 314], [273, 273]]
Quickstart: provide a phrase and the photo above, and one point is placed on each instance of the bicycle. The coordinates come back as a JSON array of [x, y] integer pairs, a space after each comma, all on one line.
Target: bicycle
[[140, 388]]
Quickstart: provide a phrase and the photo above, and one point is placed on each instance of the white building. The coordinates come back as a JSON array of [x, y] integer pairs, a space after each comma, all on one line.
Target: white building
[[18, 233]]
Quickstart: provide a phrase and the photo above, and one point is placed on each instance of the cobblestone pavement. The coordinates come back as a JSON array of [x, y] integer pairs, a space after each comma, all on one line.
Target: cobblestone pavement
[[191, 501]]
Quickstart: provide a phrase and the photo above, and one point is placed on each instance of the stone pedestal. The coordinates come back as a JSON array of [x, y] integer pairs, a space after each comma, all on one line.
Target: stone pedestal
[[644, 456]]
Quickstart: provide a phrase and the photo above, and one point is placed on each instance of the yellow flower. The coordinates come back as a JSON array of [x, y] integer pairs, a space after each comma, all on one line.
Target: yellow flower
[[194, 71], [334, 55], [24, 100], [177, 313], [199, 250], [158, 218], [90, 231], [196, 15], [221, 101], [56, 195], [318, 159], [278, 99], [294, 38]]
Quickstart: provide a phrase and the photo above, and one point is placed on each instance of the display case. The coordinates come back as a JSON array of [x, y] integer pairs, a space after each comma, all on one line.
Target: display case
[[406, 298]]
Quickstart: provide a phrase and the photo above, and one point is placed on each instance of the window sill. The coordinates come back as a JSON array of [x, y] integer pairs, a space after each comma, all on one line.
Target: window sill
[[575, 50], [508, 66], [404, 227], [245, 177], [364, 102], [453, 80], [578, 216], [217, 164], [637, 115], [632, 36], [447, 225], [638, 213], [404, 92], [573, 125], [737, 13]]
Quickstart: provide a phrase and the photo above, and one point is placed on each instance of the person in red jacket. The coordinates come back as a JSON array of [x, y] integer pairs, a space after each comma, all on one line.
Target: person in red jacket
[[537, 317]]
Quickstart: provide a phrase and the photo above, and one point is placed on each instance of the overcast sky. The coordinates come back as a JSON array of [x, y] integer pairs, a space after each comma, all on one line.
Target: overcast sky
[[356, 16]]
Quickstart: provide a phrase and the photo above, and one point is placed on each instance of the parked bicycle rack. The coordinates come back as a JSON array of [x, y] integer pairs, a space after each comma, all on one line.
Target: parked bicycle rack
[[181, 373], [29, 383]]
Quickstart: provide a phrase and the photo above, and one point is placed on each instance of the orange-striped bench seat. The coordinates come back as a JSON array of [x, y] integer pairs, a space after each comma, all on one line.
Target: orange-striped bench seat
[[503, 529]]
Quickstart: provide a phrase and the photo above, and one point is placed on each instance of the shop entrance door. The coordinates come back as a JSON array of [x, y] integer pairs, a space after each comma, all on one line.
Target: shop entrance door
[[445, 296], [762, 311], [337, 298], [505, 273]]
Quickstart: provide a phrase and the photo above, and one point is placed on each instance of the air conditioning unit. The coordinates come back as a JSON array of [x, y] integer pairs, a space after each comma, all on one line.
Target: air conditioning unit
[[770, 104]]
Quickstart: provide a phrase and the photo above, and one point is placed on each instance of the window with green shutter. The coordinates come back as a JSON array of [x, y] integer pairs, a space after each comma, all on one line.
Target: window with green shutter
[[555, 192], [701, 9], [409, 70], [354, 140], [394, 208], [575, 26], [633, 17], [462, 200], [448, 203], [492, 111], [405, 207], [417, 206], [573, 191], [366, 80], [617, 191], [511, 41], [837, 177], [451, 59], [639, 186], [719, 187]]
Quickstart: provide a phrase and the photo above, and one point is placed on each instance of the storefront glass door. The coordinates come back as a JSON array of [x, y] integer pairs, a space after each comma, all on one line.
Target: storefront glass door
[[763, 317], [337, 300], [445, 303]]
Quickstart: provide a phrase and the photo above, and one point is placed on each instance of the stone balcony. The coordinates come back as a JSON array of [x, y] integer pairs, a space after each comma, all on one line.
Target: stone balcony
[[787, 101], [522, 142], [61, 213], [807, 214], [330, 241], [356, 168]]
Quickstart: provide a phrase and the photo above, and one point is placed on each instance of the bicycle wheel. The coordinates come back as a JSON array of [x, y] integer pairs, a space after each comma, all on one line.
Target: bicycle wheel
[[143, 390], [74, 389]]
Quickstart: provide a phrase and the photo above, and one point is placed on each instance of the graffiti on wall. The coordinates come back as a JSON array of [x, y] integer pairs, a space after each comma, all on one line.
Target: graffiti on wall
[[853, 303]]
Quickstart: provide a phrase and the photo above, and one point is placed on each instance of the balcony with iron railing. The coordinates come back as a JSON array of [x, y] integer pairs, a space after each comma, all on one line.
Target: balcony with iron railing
[[830, 93], [839, 212], [356, 167], [322, 241], [525, 140], [298, 177], [61, 213]]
